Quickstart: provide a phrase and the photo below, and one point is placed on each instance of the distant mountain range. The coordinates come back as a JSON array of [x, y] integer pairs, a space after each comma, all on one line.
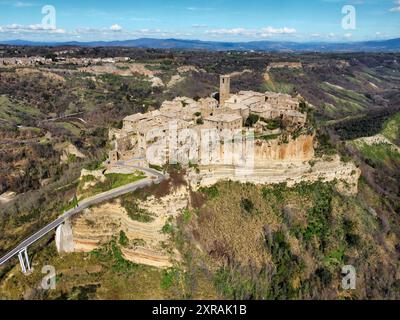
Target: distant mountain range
[[392, 45]]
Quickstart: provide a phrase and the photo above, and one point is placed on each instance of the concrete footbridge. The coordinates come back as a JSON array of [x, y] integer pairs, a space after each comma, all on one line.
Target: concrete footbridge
[[153, 177]]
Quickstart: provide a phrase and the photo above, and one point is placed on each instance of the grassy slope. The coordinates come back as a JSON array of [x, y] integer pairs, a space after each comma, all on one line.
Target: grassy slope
[[391, 129], [336, 92], [380, 153], [290, 243], [14, 112], [383, 155], [103, 274], [113, 180], [257, 243]]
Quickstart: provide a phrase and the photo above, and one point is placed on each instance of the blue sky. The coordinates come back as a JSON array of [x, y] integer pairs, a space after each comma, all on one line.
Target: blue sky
[[228, 20]]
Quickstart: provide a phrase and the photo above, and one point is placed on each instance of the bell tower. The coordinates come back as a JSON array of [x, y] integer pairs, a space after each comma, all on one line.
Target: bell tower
[[224, 89]]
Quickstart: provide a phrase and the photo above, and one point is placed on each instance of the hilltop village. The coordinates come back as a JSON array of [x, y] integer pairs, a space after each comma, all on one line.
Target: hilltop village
[[282, 149], [273, 117]]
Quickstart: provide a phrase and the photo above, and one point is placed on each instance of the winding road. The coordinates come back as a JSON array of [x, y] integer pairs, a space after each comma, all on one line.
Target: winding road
[[153, 177]]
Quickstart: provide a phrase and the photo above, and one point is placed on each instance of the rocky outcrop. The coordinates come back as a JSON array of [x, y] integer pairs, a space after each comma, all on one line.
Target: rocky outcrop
[[377, 139], [186, 69], [147, 243], [284, 64], [175, 80], [265, 152], [300, 149], [125, 70], [275, 172], [7, 197], [67, 150]]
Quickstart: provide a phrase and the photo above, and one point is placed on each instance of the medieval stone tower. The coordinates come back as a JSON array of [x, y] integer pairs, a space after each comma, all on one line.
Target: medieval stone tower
[[224, 89]]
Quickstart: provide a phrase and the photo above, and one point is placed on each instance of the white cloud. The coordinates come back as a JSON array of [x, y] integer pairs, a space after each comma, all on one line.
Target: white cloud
[[233, 31], [20, 4], [115, 33], [30, 28], [263, 32], [116, 28], [17, 4], [382, 35], [348, 35], [397, 6], [269, 31], [198, 26], [199, 9], [87, 30]]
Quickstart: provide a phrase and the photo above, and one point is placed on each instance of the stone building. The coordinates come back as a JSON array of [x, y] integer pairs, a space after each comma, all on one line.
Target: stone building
[[225, 89], [225, 122], [281, 101]]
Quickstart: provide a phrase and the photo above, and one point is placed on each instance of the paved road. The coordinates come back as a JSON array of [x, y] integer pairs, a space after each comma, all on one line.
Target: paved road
[[153, 177]]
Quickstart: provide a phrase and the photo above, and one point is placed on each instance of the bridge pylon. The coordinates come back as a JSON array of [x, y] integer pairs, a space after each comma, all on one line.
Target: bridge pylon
[[24, 261]]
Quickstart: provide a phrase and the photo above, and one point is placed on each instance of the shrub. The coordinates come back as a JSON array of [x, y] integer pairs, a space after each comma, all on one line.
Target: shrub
[[167, 229], [210, 192], [169, 277], [155, 167], [251, 120], [324, 275], [276, 191], [303, 107], [123, 239], [351, 238], [325, 146], [288, 266], [319, 215], [111, 251], [133, 210], [117, 124], [273, 124], [247, 205], [94, 165], [187, 215], [222, 281]]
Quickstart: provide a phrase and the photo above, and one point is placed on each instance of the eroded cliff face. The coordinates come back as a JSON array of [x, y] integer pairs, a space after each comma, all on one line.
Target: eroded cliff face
[[263, 152], [275, 172], [300, 149], [147, 244]]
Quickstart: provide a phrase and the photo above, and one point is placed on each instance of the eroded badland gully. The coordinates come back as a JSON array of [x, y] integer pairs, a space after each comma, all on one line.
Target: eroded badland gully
[[248, 137]]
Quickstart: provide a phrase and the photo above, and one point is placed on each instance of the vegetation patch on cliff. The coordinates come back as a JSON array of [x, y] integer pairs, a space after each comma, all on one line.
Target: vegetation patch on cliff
[[134, 211], [103, 275], [111, 181], [288, 243], [391, 129]]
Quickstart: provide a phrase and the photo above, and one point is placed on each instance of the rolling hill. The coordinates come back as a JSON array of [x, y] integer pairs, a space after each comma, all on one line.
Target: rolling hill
[[368, 46]]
